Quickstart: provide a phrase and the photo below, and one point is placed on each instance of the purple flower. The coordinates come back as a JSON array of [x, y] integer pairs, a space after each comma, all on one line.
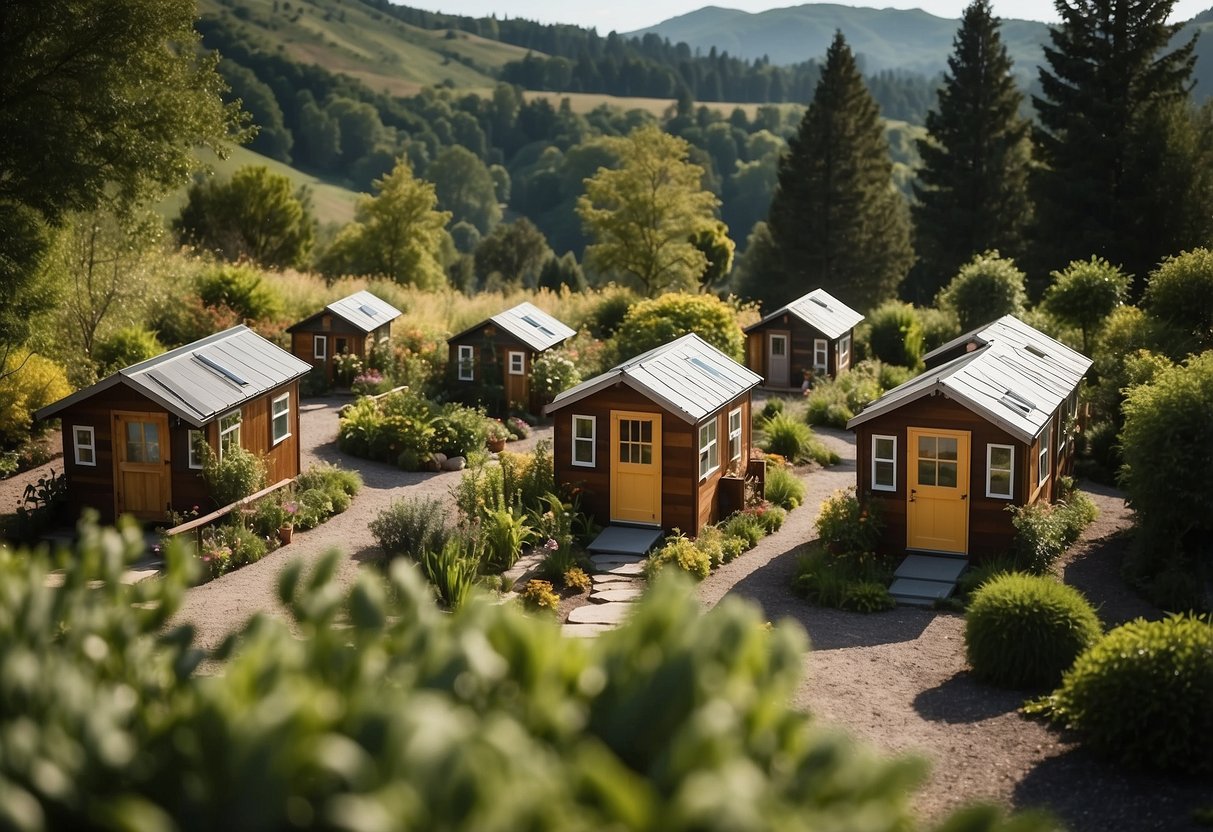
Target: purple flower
[[551, 545]]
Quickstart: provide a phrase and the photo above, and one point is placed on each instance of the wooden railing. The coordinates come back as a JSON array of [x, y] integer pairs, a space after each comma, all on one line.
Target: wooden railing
[[196, 525]]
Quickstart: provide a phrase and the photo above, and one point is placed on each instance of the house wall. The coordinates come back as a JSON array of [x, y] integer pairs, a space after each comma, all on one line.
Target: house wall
[[686, 503], [333, 327], [801, 340], [492, 348], [93, 486]]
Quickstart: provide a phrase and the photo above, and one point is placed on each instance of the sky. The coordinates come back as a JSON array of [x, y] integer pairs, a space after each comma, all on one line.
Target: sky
[[629, 15]]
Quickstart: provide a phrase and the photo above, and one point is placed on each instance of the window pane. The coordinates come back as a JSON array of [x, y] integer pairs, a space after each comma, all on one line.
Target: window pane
[[646, 431], [84, 437], [778, 346], [884, 448], [947, 474], [625, 430], [884, 473], [926, 472], [646, 454], [582, 451], [1000, 483], [947, 447], [1000, 458], [926, 447], [134, 442], [584, 428]]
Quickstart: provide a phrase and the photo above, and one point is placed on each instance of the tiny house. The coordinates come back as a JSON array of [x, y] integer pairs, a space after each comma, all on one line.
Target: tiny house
[[353, 325], [649, 440], [131, 441], [501, 351], [989, 425], [811, 335]]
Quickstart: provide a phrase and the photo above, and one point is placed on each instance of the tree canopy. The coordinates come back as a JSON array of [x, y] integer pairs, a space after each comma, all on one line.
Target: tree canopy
[[986, 288], [1085, 294], [643, 213]]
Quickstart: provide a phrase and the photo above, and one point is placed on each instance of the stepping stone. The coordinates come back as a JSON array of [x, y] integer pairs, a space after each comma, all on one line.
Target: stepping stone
[[584, 630], [636, 569], [614, 560], [605, 580], [600, 614], [604, 596]]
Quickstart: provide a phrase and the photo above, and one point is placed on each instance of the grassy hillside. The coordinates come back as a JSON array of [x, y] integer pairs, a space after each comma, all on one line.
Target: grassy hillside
[[387, 54], [331, 203]]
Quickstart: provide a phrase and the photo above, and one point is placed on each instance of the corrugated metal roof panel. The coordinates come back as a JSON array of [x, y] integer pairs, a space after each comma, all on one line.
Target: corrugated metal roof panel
[[364, 310], [820, 310], [202, 380], [688, 376], [534, 327]]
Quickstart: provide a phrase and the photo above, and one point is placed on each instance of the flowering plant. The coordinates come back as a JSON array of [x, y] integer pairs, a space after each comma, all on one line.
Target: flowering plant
[[517, 427], [496, 432]]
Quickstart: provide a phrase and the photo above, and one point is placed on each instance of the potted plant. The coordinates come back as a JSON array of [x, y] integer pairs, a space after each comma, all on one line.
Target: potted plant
[[496, 436], [287, 530]]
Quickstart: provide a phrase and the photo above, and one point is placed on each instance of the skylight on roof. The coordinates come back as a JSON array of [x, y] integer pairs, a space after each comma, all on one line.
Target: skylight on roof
[[707, 368], [368, 311], [820, 303], [1036, 351], [538, 325], [230, 375], [1017, 402]]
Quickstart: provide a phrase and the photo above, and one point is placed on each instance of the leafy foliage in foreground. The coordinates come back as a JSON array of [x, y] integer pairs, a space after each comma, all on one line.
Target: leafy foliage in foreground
[[381, 712]]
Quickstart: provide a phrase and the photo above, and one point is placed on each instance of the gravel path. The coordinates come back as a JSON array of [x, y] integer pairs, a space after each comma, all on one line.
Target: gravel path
[[223, 605]]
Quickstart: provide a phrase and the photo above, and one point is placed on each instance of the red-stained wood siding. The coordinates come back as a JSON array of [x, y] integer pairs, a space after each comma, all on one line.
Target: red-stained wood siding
[[800, 348], [333, 327]]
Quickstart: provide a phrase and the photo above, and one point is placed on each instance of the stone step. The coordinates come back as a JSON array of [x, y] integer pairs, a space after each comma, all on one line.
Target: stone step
[[931, 568], [601, 561], [612, 595], [600, 613], [626, 569], [920, 593], [605, 579], [627, 540]]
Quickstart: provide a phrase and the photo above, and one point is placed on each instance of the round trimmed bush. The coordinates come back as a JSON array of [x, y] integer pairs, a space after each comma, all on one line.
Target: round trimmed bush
[[1024, 631], [1143, 695]]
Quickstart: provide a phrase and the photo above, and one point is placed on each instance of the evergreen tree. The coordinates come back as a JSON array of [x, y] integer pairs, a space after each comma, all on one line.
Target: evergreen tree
[[973, 185], [1109, 137], [836, 219]]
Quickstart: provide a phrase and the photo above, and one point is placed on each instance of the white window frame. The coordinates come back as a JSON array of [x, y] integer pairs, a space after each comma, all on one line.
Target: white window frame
[[320, 347], [709, 435], [990, 492], [592, 440], [274, 416], [465, 359], [735, 434], [233, 428], [90, 446], [821, 355], [877, 486], [1043, 463], [844, 352], [521, 356], [194, 458], [1061, 432]]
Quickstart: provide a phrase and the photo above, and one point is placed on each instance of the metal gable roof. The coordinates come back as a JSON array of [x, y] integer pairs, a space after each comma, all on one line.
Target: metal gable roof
[[202, 380], [688, 376], [1017, 380], [820, 310], [1010, 330], [529, 324], [364, 310]]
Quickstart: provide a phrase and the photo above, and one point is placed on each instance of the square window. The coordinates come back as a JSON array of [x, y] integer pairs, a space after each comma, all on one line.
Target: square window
[[517, 363]]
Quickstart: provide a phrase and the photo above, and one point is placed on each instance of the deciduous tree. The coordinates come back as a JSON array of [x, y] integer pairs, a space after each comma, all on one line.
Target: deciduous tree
[[515, 251], [986, 288], [465, 188], [1085, 294]]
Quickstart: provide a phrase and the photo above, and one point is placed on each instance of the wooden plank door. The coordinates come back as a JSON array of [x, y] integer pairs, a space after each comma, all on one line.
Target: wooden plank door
[[636, 467], [142, 471], [778, 362], [937, 512]]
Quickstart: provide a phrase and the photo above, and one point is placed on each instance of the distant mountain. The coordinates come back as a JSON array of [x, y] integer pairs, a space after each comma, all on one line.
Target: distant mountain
[[884, 38]]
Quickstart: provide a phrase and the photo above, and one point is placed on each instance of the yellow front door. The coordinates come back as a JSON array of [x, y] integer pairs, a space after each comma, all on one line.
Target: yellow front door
[[937, 517], [141, 465], [636, 467]]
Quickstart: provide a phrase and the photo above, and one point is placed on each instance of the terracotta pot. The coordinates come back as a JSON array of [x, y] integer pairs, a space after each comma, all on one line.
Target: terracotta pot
[[496, 445], [285, 533]]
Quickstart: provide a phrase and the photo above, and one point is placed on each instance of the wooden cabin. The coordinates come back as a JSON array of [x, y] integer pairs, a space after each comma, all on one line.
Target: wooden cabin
[[129, 441], [649, 440], [500, 353], [992, 426], [350, 326], [811, 335]]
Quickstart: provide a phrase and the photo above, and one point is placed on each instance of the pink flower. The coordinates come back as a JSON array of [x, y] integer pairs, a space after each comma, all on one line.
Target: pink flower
[[551, 545]]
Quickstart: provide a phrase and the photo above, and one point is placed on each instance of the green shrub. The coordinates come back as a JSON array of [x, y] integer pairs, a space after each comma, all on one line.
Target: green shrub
[[125, 347], [731, 547], [770, 517], [411, 526], [576, 579], [867, 596], [711, 542], [660, 320], [783, 488], [895, 334], [1024, 631], [745, 527], [315, 506], [269, 516], [1044, 531], [787, 437], [330, 478], [856, 581], [552, 373], [459, 430], [1141, 695], [451, 570], [978, 574], [939, 326], [986, 288], [503, 533], [681, 553], [771, 409], [604, 321], [236, 476], [539, 594], [240, 288], [826, 405], [844, 526]]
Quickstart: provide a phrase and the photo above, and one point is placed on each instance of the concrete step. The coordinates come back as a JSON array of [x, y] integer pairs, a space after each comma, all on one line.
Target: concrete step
[[931, 568], [625, 540], [920, 593]]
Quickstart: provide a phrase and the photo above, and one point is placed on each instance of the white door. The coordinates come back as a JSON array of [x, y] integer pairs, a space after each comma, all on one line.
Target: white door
[[777, 359]]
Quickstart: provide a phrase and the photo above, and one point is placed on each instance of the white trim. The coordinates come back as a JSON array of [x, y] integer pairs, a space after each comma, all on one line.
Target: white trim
[[711, 447], [1043, 461], [1061, 431], [320, 347], [521, 356], [876, 486], [735, 433], [234, 428], [1010, 449], [274, 437], [844, 352], [194, 459], [592, 439], [821, 349], [90, 446], [465, 359]]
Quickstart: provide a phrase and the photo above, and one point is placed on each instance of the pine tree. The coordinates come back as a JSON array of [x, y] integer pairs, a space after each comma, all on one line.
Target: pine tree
[[973, 185], [836, 220], [1109, 137]]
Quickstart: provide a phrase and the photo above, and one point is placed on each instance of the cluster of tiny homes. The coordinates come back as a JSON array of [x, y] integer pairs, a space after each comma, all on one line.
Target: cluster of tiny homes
[[988, 424]]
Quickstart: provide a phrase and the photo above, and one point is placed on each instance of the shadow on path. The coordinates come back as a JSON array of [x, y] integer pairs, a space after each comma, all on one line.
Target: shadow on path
[[962, 699]]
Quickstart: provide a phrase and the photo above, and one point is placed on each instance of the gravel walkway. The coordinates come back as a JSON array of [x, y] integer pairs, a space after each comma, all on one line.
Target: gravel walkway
[[223, 605]]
